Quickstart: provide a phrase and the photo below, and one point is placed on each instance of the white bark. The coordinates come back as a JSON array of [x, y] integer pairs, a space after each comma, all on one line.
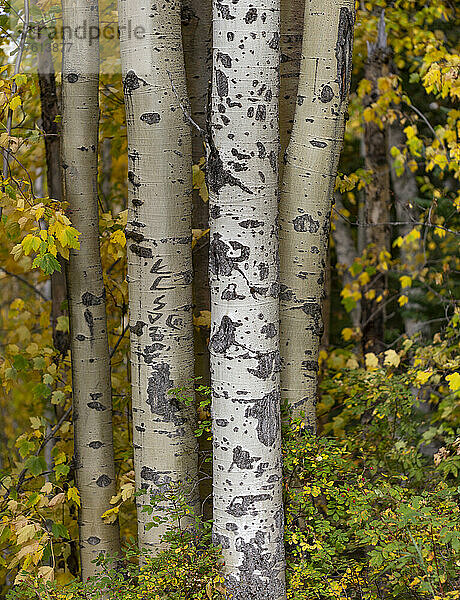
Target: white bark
[[291, 48], [307, 189], [159, 251], [92, 403], [242, 171]]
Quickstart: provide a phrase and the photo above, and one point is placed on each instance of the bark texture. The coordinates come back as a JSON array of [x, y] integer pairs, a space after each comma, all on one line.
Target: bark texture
[[307, 189], [92, 404], [242, 173], [377, 196], [49, 112], [159, 252], [292, 12]]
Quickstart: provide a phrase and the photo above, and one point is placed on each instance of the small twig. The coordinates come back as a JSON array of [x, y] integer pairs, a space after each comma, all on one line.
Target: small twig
[[11, 155], [420, 114], [362, 224], [114, 349], [184, 110], [22, 280], [113, 265], [14, 87], [50, 436]]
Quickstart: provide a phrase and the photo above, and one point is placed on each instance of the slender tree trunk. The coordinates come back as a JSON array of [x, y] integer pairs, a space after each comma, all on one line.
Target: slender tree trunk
[[106, 169], [292, 12], [92, 403], [377, 196], [242, 171], [306, 194], [197, 41], [345, 250], [405, 192], [49, 112], [159, 252]]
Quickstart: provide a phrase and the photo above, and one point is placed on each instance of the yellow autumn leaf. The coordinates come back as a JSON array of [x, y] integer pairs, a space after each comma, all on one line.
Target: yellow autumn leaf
[[118, 237], [410, 132], [111, 515], [122, 218], [454, 381], [203, 319], [372, 362], [412, 236], [392, 358], [364, 278], [73, 494], [347, 333], [25, 533], [402, 300], [440, 232], [14, 103], [352, 363], [406, 281], [423, 376]]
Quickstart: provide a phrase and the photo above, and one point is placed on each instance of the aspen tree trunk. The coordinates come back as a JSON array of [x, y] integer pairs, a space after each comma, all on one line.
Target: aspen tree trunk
[[242, 171], [159, 252], [92, 403], [405, 192], [308, 185], [292, 12], [197, 42], [49, 112], [377, 197]]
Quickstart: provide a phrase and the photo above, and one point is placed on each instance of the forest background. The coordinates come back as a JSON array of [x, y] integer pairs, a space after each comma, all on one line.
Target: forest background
[[376, 512]]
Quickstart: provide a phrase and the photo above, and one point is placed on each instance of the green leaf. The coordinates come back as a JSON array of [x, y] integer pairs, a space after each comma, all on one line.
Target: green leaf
[[59, 531], [36, 465]]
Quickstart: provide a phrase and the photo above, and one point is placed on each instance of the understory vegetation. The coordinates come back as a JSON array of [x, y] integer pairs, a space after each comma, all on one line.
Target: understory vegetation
[[369, 431]]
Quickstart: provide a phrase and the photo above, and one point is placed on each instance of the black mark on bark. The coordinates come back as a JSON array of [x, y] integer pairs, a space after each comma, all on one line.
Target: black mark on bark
[[224, 336], [242, 459], [95, 445], [344, 51], [161, 403], [221, 83], [326, 94], [89, 299], [266, 365], [137, 328], [240, 505], [266, 412], [305, 223], [96, 406], [141, 251], [150, 118], [93, 540], [103, 481], [89, 321], [251, 16]]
